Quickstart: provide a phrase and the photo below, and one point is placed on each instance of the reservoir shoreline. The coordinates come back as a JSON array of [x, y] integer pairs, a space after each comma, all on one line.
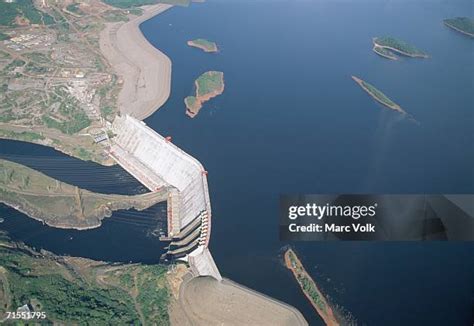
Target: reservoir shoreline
[[145, 71]]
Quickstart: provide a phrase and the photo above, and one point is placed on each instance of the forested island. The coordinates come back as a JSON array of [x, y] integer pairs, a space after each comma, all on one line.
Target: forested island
[[385, 46], [378, 95], [210, 84], [79, 291], [59, 204], [203, 44], [309, 288], [463, 25]]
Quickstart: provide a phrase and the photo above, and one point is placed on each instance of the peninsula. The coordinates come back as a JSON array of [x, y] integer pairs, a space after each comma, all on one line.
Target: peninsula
[[203, 44], [61, 205], [463, 25], [385, 44], [209, 85], [310, 289], [378, 95]]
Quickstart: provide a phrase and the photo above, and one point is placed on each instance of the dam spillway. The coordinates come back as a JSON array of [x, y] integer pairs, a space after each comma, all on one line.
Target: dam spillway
[[156, 162]]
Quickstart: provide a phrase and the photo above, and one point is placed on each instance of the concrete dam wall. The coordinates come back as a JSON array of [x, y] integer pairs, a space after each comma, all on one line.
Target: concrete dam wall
[[157, 163]]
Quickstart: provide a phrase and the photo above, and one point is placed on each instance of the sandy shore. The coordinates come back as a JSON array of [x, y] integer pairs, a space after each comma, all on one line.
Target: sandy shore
[[144, 70], [203, 301]]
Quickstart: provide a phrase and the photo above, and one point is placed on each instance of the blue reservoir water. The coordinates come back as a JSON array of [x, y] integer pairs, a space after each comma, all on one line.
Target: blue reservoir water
[[291, 120], [125, 237]]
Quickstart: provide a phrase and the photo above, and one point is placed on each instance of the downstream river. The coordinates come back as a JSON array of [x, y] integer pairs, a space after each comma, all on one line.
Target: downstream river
[[291, 120]]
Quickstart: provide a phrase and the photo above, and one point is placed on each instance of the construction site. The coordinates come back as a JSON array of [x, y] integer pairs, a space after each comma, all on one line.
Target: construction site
[[157, 163]]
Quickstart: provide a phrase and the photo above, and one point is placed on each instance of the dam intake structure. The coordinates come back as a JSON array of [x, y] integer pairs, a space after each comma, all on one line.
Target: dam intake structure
[[157, 163]]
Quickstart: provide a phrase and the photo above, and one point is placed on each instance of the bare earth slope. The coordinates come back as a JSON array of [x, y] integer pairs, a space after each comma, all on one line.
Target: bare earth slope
[[144, 71], [208, 302]]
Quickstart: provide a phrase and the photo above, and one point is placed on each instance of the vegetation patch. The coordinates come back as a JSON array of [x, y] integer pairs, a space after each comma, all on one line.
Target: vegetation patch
[[4, 37], [78, 121], [74, 8], [382, 98], [9, 11], [208, 85], [153, 293], [402, 47], [203, 44], [310, 289], [378, 94], [70, 291], [136, 11], [115, 16], [461, 24], [23, 136]]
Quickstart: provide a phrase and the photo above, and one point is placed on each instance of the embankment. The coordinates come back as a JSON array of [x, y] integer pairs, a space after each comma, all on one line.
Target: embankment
[[144, 71], [205, 301]]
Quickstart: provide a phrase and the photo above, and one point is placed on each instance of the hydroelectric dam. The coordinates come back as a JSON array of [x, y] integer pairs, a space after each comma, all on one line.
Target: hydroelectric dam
[[156, 162]]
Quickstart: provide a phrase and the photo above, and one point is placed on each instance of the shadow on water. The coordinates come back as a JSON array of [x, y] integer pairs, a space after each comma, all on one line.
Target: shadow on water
[[84, 174], [128, 235]]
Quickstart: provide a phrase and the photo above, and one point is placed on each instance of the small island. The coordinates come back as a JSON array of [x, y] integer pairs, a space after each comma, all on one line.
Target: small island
[[385, 46], [203, 44], [378, 95], [210, 84], [463, 25], [310, 289]]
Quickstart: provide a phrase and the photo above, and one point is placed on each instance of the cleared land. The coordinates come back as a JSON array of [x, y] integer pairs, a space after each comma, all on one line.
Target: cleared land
[[395, 45], [463, 25], [205, 301], [378, 95], [208, 85], [203, 44], [59, 204], [75, 291], [310, 289]]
